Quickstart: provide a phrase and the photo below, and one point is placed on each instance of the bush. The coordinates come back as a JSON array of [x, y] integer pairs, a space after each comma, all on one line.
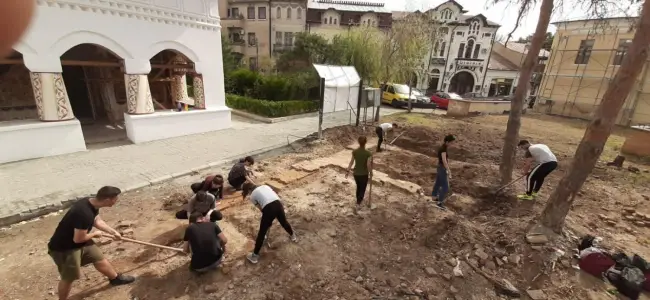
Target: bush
[[242, 81], [280, 87], [271, 109]]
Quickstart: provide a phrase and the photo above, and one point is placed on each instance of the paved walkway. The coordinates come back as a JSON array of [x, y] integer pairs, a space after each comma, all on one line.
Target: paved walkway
[[35, 187]]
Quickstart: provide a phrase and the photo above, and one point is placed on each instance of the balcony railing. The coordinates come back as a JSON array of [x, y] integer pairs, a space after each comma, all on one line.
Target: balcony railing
[[438, 61]]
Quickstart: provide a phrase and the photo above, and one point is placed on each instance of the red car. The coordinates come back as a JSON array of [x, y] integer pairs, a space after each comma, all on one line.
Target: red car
[[441, 99]]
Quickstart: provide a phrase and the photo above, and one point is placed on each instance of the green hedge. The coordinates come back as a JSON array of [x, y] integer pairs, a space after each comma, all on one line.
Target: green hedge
[[271, 109]]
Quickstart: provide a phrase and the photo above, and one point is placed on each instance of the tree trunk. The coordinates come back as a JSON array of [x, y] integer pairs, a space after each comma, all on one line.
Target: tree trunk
[[517, 103], [600, 128]]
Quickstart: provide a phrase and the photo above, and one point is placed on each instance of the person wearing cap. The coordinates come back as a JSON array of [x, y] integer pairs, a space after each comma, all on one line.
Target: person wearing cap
[[443, 174], [545, 163]]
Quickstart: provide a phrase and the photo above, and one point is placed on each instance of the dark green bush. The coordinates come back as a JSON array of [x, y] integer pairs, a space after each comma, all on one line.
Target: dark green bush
[[242, 81], [271, 109], [278, 87]]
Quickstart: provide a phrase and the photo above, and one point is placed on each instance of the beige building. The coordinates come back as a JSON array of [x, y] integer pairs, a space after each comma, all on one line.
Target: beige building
[[584, 59], [258, 29], [329, 18]]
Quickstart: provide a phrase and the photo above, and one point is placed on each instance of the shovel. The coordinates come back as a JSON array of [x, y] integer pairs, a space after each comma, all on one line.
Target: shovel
[[507, 185]]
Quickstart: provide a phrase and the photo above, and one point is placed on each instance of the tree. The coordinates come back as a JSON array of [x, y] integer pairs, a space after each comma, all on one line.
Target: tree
[[230, 61], [548, 41], [600, 128], [517, 103]]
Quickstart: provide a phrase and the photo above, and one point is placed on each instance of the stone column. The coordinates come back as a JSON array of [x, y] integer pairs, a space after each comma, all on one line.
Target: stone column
[[138, 94], [199, 94], [51, 97]]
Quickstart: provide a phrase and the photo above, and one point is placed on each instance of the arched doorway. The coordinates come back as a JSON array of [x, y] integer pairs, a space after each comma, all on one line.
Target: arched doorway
[[171, 80], [434, 80], [94, 81], [461, 83], [16, 95]]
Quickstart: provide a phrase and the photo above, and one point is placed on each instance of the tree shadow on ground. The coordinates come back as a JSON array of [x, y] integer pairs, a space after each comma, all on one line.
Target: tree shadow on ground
[[176, 283]]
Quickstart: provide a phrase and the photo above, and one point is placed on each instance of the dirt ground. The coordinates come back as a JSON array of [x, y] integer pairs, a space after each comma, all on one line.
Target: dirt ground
[[403, 249]]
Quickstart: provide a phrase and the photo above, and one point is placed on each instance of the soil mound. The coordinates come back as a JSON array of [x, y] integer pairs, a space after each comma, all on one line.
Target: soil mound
[[175, 201]]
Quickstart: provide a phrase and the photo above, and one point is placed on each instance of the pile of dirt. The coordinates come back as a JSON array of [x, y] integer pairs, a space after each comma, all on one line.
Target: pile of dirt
[[344, 135], [176, 201], [407, 166]]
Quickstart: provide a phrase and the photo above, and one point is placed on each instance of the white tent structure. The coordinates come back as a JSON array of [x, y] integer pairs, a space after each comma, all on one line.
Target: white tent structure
[[341, 91]]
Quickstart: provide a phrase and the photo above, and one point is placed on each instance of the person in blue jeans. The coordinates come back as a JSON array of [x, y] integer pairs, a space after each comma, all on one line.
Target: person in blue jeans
[[443, 175]]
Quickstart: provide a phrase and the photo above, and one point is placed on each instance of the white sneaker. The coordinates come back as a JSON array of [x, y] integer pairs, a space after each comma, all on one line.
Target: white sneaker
[[294, 238], [253, 258]]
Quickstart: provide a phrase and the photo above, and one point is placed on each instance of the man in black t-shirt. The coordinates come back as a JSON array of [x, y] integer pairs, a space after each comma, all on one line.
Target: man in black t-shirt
[[240, 173], [443, 174], [206, 242], [71, 245]]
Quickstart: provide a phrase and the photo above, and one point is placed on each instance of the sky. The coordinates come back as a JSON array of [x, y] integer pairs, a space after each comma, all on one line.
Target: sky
[[503, 13]]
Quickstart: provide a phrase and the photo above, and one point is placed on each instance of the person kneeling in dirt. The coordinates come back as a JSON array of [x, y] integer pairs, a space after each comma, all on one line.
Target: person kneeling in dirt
[[212, 184], [72, 246], [201, 202], [268, 202], [545, 162], [382, 133], [443, 173], [206, 242], [362, 160], [240, 173]]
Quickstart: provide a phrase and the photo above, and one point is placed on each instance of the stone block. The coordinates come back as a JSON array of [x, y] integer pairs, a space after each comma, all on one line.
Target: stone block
[[289, 176], [276, 186]]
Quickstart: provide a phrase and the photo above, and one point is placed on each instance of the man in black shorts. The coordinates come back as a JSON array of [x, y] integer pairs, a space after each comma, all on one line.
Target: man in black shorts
[[72, 247], [240, 173]]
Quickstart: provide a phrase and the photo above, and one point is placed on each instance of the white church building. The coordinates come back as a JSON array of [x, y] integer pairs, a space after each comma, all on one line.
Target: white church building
[[95, 71], [458, 59]]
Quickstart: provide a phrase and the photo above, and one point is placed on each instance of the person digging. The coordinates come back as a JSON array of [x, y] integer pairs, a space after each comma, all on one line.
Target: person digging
[[268, 202], [382, 133], [545, 163], [241, 173], [443, 175], [205, 241], [72, 245], [212, 184], [362, 161], [203, 202]]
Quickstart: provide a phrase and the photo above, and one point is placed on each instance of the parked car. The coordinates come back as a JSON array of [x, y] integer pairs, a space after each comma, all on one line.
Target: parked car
[[441, 99], [397, 95]]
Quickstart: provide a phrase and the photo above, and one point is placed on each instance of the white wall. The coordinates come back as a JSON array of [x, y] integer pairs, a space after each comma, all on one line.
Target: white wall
[[133, 30], [29, 139]]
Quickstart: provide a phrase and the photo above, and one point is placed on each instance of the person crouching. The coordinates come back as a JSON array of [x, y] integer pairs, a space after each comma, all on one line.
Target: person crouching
[[202, 202], [268, 202], [206, 242]]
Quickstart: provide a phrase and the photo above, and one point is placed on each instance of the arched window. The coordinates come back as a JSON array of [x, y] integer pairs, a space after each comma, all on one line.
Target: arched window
[[330, 20], [299, 13], [468, 51], [289, 13], [477, 48], [442, 49], [335, 20], [461, 50], [324, 20], [435, 48], [278, 13]]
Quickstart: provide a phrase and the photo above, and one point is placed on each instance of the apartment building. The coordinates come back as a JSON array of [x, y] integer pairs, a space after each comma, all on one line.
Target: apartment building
[[259, 29], [329, 18], [584, 59]]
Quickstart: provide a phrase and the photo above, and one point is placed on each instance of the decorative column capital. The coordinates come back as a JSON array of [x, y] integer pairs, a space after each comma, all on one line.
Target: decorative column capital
[[137, 66], [138, 94], [52, 102]]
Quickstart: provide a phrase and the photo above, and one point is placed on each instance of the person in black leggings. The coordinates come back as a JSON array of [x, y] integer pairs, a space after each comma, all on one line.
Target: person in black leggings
[[362, 161], [267, 201]]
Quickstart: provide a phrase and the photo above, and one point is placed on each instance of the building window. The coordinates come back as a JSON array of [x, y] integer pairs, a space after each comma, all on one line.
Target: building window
[[252, 40], [474, 27], [461, 50], [444, 31], [623, 46], [487, 34], [442, 49], [325, 20], [261, 13], [460, 33], [435, 48], [584, 52], [331, 20], [288, 38], [235, 12], [250, 14], [252, 63], [335, 20], [278, 37], [468, 51], [447, 14], [288, 13], [477, 48], [278, 13], [299, 13]]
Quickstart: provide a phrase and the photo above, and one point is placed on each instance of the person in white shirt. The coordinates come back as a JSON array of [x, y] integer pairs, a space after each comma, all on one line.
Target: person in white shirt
[[545, 163], [382, 132], [268, 202]]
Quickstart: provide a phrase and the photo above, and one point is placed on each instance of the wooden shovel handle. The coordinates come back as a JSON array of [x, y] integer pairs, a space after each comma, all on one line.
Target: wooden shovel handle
[[153, 245]]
